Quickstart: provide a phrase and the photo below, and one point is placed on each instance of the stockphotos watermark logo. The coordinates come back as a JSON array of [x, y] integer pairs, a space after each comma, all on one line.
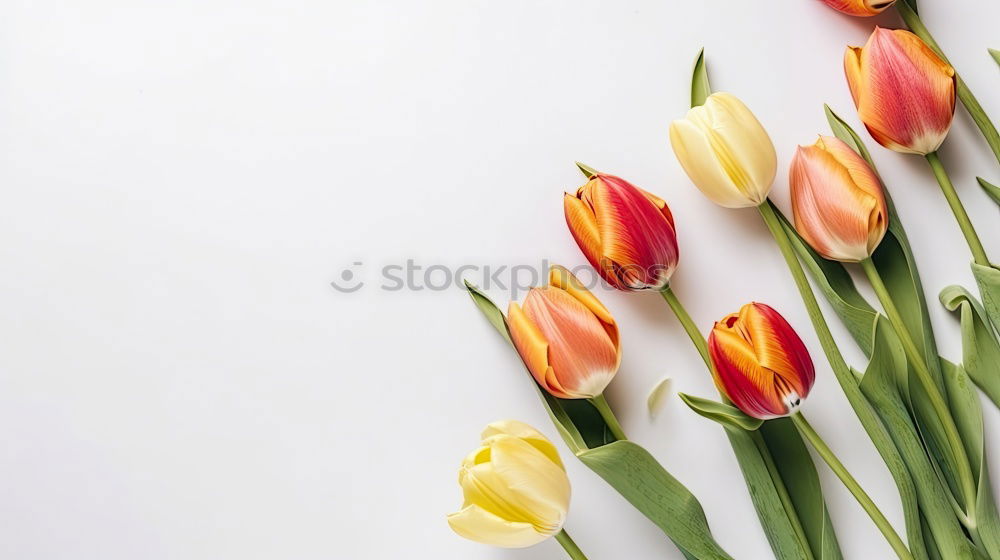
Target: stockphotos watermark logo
[[513, 279]]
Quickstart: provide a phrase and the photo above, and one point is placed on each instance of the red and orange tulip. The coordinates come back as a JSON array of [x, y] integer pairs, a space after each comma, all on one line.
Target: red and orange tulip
[[837, 201], [760, 363], [904, 92], [862, 8], [626, 233], [566, 337]]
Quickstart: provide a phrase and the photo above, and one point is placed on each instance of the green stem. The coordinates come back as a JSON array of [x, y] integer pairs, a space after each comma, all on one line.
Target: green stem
[[569, 545], [938, 403], [968, 230], [698, 339], [601, 404], [866, 502], [689, 325], [826, 340], [972, 105]]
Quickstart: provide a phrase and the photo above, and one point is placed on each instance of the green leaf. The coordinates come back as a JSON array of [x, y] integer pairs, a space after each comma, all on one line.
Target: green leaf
[[980, 349], [489, 309], [641, 480], [727, 415], [991, 189], [637, 476], [995, 54], [920, 487], [795, 466], [587, 170], [700, 88], [988, 278], [969, 418]]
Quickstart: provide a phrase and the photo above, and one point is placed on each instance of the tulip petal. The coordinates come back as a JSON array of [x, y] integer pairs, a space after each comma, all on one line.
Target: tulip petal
[[583, 225], [694, 152], [560, 277], [582, 356], [527, 433], [760, 363], [860, 8], [904, 92], [540, 486], [529, 341], [778, 347], [739, 375], [725, 151], [831, 212], [742, 145], [637, 242], [477, 524]]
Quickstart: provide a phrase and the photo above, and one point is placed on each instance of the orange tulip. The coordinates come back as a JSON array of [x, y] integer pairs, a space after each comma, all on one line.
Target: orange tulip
[[760, 363], [904, 92], [626, 233], [566, 337], [859, 7], [837, 201]]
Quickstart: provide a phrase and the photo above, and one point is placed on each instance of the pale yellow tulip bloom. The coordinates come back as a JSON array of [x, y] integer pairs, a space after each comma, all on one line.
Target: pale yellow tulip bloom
[[515, 487], [725, 151]]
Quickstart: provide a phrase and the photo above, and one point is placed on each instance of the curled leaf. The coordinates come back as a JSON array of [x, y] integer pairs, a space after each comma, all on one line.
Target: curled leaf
[[727, 415]]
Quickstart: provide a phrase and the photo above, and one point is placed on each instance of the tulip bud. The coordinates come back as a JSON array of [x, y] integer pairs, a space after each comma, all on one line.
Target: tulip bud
[[626, 233], [515, 487], [760, 363], [566, 337], [904, 92], [725, 151], [837, 201], [862, 8]]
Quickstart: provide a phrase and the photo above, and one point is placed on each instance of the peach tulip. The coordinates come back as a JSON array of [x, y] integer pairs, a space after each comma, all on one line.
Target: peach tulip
[[837, 201], [566, 337]]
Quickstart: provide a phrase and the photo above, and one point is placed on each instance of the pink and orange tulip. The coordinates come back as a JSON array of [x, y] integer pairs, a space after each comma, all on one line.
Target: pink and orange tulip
[[904, 92], [760, 363], [863, 8], [837, 201], [566, 337], [626, 233]]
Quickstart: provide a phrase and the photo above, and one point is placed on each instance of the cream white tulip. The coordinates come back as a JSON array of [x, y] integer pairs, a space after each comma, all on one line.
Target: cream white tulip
[[725, 151]]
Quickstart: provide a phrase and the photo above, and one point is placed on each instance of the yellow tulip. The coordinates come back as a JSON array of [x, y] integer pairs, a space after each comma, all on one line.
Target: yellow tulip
[[515, 487], [725, 151]]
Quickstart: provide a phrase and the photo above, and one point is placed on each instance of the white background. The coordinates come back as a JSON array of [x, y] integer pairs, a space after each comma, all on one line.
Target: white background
[[181, 181]]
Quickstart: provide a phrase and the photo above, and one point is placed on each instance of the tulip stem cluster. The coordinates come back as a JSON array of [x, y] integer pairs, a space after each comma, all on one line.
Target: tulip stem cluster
[[860, 495], [919, 365], [570, 546], [958, 209], [601, 404]]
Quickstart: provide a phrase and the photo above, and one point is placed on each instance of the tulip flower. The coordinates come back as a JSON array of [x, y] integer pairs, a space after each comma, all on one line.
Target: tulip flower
[[725, 151], [837, 201], [566, 337], [626, 233], [863, 8], [515, 487], [904, 92], [760, 363]]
